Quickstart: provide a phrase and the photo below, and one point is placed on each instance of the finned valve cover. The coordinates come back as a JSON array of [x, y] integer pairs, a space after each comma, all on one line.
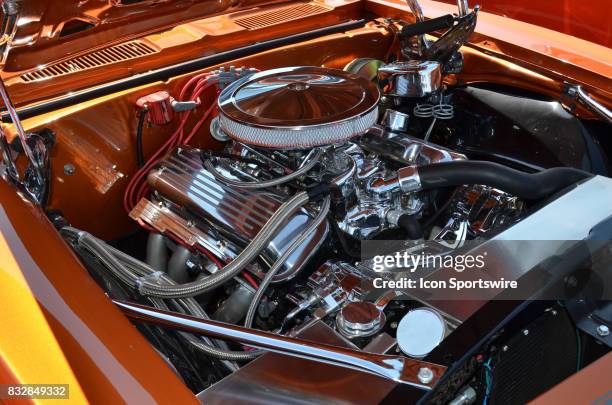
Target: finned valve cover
[[298, 107]]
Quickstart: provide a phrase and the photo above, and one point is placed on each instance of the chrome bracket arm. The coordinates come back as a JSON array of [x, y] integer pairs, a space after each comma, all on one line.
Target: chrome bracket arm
[[400, 369], [420, 43], [8, 27], [464, 7], [35, 181], [576, 92], [23, 137]]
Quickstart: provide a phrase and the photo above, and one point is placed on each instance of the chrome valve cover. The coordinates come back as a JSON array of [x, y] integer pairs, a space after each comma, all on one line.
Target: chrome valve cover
[[181, 181]]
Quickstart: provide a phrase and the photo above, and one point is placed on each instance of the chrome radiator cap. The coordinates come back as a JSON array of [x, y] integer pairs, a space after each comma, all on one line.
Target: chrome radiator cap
[[420, 331], [298, 107]]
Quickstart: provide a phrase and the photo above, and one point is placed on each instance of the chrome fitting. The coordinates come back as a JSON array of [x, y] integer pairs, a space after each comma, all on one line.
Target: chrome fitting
[[409, 179], [379, 185], [395, 121]]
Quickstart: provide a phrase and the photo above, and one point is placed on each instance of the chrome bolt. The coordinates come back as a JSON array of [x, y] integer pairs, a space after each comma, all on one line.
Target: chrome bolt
[[425, 375], [603, 330], [10, 7], [505, 348], [69, 169], [572, 281], [525, 332], [221, 246]]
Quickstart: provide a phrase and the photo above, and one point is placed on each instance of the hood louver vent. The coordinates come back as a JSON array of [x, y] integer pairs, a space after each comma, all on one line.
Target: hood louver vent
[[280, 16], [106, 56]]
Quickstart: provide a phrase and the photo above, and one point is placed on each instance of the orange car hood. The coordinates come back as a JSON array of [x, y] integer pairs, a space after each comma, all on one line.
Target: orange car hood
[[58, 28]]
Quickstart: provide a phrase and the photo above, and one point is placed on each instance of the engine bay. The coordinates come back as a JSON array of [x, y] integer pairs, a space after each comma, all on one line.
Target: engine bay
[[266, 232], [263, 225]]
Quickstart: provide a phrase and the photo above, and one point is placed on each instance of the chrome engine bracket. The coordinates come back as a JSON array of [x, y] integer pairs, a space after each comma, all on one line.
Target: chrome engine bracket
[[400, 369]]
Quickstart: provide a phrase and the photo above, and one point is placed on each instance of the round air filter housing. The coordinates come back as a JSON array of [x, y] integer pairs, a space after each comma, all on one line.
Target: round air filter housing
[[298, 107]]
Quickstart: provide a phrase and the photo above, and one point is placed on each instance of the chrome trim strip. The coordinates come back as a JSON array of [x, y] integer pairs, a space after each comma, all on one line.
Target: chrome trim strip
[[578, 93], [396, 368]]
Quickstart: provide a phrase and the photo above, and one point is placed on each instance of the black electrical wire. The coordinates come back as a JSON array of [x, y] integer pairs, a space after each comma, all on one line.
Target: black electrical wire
[[142, 115], [434, 217]]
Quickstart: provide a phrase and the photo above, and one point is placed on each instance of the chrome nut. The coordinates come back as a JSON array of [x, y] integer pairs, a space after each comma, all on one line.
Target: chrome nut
[[425, 375]]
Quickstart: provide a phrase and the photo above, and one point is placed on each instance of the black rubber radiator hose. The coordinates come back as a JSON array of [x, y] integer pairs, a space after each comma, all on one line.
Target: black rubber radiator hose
[[523, 185]]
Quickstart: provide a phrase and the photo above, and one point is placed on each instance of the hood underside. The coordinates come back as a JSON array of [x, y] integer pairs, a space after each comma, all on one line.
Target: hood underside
[[62, 28]]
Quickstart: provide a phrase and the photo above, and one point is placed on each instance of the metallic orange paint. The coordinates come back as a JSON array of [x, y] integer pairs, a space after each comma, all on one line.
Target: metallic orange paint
[[30, 351], [197, 38], [528, 47], [588, 20], [41, 25], [63, 328]]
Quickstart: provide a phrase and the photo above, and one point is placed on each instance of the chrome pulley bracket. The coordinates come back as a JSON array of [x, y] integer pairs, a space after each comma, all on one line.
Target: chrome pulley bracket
[[415, 45], [446, 48]]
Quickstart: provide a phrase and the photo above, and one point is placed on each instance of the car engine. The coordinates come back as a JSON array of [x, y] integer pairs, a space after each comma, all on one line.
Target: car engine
[[303, 129], [270, 232]]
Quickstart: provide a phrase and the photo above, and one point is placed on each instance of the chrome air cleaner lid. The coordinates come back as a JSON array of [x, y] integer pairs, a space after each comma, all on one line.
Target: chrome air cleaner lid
[[298, 107]]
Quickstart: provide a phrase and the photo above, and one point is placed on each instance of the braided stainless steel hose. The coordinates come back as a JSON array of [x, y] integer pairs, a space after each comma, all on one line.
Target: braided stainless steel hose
[[129, 270], [253, 249], [281, 260]]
